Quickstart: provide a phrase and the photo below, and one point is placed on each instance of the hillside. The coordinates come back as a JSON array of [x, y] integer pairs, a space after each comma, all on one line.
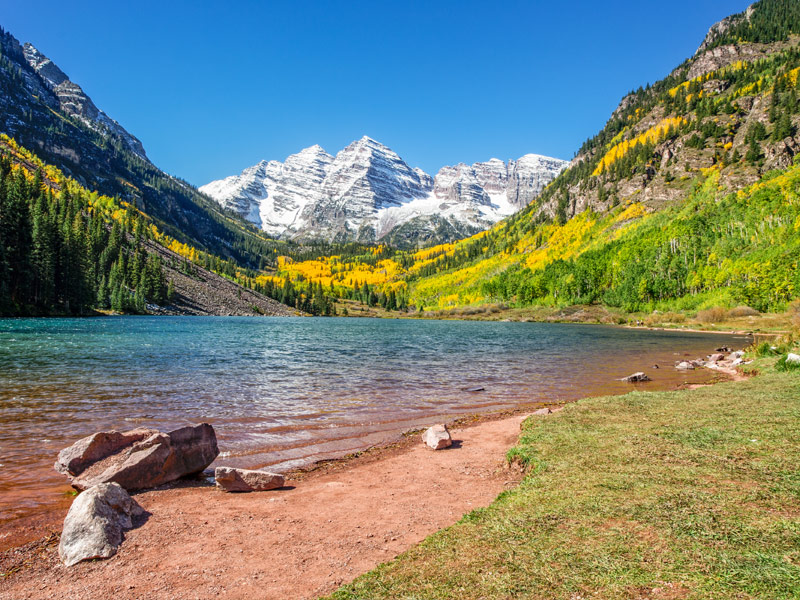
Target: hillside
[[686, 199], [67, 251]]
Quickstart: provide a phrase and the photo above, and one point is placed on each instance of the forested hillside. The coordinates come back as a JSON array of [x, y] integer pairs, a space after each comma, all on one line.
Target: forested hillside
[[65, 250], [687, 198]]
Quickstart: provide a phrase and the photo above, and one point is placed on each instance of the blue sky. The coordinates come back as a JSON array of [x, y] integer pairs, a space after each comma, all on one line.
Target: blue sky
[[213, 87]]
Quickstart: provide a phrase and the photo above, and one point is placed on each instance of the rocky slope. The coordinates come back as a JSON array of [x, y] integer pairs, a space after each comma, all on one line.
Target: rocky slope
[[367, 193], [74, 102], [202, 292], [697, 118]]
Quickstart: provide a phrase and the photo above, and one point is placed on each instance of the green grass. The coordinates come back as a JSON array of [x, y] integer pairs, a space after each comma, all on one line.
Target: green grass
[[687, 494]]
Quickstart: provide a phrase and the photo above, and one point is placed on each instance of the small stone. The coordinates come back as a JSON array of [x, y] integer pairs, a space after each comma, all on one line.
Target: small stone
[[685, 366], [437, 437], [542, 411], [231, 479], [636, 378], [95, 523], [716, 357]]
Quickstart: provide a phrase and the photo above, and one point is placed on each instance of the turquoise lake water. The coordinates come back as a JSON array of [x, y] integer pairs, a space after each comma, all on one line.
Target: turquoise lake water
[[282, 392]]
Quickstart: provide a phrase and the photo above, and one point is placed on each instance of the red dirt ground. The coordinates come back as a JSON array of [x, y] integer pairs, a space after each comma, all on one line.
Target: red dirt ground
[[324, 529]]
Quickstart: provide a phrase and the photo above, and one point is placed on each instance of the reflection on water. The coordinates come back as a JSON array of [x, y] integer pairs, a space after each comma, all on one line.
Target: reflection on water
[[279, 391]]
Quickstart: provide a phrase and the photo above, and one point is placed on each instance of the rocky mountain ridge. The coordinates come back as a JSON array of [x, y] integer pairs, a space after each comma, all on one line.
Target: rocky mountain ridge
[[74, 102], [368, 193], [696, 118]]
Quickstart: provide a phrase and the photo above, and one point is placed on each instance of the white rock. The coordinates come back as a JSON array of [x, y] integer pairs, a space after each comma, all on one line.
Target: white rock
[[437, 437], [793, 359], [95, 523], [542, 412], [685, 366]]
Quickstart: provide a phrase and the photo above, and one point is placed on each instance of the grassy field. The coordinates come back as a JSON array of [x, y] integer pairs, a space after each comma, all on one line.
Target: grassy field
[[656, 495]]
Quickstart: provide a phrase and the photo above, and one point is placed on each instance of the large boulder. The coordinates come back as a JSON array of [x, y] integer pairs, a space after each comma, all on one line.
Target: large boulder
[[137, 459], [437, 437], [230, 479], [95, 523]]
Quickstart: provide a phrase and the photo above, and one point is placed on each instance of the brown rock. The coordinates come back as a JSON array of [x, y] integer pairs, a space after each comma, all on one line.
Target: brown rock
[[89, 450], [230, 479], [437, 437], [138, 459]]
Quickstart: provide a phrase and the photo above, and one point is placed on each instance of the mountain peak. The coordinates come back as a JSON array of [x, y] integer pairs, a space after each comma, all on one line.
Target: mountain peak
[[73, 100], [367, 191]]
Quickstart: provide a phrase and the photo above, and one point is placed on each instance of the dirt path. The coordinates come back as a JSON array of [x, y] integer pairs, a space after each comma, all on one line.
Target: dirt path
[[300, 542]]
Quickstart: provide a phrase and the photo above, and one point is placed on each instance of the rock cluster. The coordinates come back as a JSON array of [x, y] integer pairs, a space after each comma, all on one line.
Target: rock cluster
[[140, 458], [95, 523]]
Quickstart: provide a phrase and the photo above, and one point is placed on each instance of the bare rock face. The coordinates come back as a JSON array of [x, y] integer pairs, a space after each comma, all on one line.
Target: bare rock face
[[230, 479], [95, 523], [437, 437], [74, 101], [137, 459]]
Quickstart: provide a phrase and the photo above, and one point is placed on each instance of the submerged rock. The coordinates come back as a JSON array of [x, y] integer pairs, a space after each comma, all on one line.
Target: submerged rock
[[636, 378], [230, 479], [95, 523], [437, 437], [140, 458]]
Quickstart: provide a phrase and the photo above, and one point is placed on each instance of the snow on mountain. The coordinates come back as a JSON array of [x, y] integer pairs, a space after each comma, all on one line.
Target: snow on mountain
[[367, 191], [74, 101]]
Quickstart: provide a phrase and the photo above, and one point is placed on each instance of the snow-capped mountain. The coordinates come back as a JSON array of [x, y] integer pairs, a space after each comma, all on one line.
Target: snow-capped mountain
[[367, 192], [74, 101]]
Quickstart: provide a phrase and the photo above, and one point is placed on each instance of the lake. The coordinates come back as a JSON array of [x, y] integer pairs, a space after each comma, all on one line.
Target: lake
[[283, 392]]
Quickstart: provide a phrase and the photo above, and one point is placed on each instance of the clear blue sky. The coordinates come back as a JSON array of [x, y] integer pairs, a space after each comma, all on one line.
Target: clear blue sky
[[213, 87]]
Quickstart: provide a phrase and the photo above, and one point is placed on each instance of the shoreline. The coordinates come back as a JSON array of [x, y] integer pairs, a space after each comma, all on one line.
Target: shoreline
[[27, 533]]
